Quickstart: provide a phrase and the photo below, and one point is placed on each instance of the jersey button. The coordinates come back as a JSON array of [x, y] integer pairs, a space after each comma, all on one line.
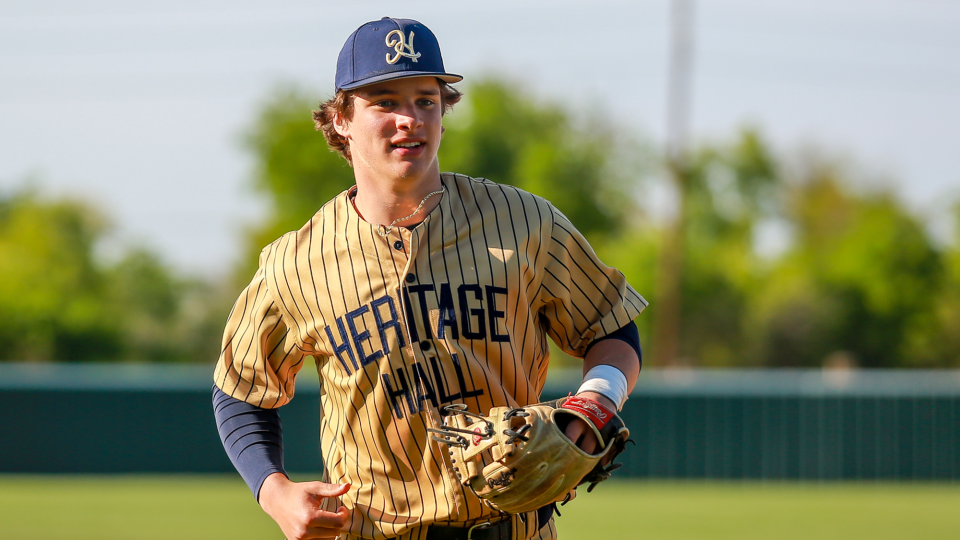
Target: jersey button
[[398, 245], [424, 345], [411, 278]]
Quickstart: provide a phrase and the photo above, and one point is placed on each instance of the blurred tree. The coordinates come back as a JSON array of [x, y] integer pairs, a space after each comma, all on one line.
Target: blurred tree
[[162, 317], [50, 288], [861, 280], [504, 133], [723, 191], [729, 189], [936, 339], [57, 302]]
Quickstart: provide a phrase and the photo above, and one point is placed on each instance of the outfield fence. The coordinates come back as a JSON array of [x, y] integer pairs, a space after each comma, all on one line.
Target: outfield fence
[[723, 424], [796, 424]]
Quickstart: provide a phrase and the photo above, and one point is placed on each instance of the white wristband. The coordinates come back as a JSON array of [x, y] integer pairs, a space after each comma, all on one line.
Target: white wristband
[[607, 381]]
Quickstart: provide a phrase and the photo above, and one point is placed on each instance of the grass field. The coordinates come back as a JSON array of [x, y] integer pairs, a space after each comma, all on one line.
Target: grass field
[[214, 507]]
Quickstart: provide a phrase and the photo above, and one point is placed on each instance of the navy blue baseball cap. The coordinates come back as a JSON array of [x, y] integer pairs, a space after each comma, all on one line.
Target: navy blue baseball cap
[[390, 49]]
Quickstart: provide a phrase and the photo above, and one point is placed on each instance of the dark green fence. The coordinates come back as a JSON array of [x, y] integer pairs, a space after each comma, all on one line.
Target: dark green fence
[[796, 424], [119, 418], [736, 424]]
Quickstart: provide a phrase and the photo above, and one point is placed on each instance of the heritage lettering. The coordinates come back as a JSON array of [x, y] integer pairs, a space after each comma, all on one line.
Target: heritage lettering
[[471, 312]]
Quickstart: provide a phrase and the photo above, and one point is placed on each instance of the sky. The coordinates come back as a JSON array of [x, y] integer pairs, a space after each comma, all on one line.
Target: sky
[[139, 107]]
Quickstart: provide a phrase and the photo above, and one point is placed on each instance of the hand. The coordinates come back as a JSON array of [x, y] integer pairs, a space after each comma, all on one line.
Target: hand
[[580, 433], [295, 506]]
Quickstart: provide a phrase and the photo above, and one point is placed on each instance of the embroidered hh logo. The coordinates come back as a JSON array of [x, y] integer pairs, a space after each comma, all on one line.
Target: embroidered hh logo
[[396, 41]]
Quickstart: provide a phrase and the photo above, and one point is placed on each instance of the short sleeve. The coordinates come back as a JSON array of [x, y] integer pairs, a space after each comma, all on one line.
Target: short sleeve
[[581, 298], [259, 358]]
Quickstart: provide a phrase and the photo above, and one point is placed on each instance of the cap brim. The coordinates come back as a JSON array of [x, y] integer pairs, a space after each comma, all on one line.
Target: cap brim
[[445, 77]]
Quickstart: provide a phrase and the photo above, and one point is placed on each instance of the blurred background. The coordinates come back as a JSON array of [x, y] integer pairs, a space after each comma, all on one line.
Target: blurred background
[[780, 180]]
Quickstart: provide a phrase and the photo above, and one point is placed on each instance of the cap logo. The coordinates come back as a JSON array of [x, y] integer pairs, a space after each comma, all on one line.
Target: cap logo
[[398, 43]]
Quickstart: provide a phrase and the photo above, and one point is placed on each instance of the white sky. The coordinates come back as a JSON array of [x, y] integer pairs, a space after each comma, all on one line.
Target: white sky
[[139, 106]]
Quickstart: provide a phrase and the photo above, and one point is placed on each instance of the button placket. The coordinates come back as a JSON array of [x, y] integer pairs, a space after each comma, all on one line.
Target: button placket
[[415, 236], [406, 277]]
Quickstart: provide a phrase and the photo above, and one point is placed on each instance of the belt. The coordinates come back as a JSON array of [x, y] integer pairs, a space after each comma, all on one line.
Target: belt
[[502, 530]]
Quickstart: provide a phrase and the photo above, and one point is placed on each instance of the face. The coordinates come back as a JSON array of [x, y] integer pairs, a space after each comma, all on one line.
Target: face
[[395, 130]]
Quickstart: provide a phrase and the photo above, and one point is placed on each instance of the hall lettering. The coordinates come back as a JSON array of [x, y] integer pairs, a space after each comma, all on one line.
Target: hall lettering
[[399, 390]]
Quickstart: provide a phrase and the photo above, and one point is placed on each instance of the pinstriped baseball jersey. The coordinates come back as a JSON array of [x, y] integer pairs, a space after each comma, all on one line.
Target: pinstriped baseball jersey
[[456, 310]]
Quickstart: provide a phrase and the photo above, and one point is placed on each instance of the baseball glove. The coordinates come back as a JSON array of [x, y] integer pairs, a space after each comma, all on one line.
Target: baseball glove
[[518, 460]]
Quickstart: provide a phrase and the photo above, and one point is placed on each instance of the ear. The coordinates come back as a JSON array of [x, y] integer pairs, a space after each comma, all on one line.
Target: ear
[[341, 126]]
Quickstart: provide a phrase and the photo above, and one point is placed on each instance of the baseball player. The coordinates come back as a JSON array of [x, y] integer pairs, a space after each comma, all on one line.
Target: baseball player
[[413, 290]]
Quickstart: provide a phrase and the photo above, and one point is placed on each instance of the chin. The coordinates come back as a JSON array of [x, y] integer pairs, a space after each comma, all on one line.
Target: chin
[[411, 172]]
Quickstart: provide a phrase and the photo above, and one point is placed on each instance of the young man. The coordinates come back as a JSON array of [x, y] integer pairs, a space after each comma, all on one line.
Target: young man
[[413, 290]]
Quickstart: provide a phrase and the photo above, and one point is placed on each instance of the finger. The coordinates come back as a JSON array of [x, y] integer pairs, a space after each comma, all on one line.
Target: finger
[[590, 443], [328, 490], [322, 532], [328, 524], [575, 429], [334, 520], [580, 433]]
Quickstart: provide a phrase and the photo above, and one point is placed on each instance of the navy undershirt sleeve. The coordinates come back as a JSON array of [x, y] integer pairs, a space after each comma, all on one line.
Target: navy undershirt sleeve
[[629, 335], [252, 437]]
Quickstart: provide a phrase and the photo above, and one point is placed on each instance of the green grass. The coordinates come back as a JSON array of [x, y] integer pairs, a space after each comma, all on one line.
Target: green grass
[[130, 508], [213, 507], [748, 511]]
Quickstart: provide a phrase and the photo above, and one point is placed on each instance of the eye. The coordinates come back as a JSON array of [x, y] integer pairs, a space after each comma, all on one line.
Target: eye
[[385, 103], [426, 102]]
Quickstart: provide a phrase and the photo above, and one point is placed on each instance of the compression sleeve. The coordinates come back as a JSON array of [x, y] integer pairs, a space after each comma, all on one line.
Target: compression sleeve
[[252, 437], [629, 335]]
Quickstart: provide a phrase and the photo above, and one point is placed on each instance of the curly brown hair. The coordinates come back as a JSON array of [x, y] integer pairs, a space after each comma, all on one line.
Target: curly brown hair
[[342, 104]]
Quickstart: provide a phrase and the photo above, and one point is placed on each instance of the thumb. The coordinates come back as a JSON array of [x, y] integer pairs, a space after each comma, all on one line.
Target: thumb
[[329, 490]]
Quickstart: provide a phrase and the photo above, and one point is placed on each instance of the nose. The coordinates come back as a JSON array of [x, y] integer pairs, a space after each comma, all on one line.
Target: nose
[[408, 118]]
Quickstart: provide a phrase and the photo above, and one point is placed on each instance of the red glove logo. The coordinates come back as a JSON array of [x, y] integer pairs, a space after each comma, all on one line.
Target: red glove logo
[[595, 411]]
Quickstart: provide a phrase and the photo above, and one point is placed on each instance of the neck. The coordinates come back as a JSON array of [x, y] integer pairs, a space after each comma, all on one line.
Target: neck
[[381, 203]]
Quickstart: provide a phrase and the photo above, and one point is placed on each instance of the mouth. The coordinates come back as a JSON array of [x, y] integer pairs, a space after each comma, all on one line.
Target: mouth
[[407, 145]]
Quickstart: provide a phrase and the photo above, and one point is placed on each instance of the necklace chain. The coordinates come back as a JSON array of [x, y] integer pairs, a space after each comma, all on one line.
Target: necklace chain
[[384, 230]]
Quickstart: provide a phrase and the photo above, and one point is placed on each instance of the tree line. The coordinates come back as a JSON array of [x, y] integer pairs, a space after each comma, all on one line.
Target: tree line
[[854, 278]]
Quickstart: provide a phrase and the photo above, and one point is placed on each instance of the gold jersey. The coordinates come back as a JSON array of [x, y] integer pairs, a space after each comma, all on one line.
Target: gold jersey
[[456, 310]]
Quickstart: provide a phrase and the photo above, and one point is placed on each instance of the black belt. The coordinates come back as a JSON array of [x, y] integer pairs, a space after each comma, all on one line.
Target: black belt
[[502, 530]]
